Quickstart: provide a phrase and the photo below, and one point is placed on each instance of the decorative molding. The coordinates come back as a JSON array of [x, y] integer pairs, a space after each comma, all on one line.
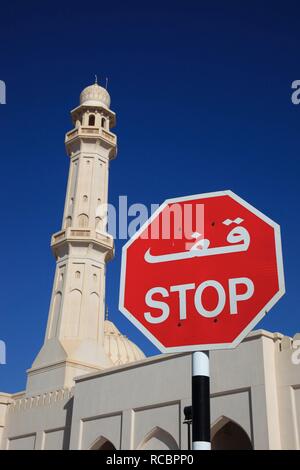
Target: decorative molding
[[44, 399]]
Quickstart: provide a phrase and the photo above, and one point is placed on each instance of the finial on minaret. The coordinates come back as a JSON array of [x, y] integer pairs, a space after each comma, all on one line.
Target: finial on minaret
[[106, 83], [106, 313], [96, 80]]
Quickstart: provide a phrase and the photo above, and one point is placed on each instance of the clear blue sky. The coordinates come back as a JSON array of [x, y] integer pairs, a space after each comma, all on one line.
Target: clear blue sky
[[202, 95]]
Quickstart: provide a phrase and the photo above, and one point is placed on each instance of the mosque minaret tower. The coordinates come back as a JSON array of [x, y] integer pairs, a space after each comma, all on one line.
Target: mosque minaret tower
[[78, 339]]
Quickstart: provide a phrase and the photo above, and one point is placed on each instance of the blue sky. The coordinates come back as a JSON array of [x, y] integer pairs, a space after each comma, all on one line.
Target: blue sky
[[202, 95]]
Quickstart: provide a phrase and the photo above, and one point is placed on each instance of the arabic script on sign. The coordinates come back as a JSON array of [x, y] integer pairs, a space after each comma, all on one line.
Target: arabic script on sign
[[238, 239]]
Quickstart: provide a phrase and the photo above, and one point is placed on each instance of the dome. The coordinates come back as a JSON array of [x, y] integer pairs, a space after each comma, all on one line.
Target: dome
[[118, 347], [95, 95]]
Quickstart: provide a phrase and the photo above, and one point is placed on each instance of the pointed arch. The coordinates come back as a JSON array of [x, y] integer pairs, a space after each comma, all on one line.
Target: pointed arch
[[55, 314], [73, 317], [93, 316], [68, 222], [158, 439], [83, 220], [226, 434], [98, 223], [102, 443], [217, 425]]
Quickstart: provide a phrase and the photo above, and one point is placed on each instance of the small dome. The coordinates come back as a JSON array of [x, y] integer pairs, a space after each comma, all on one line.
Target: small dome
[[95, 95], [119, 348]]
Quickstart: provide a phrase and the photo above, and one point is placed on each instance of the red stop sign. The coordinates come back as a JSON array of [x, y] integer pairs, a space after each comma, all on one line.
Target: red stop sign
[[201, 272]]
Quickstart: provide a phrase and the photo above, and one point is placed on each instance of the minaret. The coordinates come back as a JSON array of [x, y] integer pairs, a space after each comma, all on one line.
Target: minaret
[[74, 340]]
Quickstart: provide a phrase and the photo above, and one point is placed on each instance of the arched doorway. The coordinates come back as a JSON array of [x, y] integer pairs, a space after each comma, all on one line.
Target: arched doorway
[[102, 444], [230, 436], [158, 439]]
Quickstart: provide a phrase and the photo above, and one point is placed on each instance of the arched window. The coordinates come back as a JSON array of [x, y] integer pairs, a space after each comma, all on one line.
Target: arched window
[[230, 436], [68, 221], [55, 315], [92, 120], [83, 220], [98, 223], [103, 122]]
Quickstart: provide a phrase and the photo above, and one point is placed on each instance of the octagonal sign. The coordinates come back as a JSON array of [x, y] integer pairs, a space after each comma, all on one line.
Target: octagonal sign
[[201, 272]]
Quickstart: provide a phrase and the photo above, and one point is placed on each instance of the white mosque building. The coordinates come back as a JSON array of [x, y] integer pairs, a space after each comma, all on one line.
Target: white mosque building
[[90, 387]]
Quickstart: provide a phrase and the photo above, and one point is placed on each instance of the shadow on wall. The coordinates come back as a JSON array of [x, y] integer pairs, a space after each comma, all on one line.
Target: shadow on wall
[[156, 439], [103, 444], [230, 436], [226, 435]]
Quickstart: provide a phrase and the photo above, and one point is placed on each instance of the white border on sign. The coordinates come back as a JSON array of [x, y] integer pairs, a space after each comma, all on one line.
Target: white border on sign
[[259, 316]]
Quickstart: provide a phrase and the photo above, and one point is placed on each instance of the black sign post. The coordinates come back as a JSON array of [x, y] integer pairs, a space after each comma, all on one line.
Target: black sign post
[[200, 401]]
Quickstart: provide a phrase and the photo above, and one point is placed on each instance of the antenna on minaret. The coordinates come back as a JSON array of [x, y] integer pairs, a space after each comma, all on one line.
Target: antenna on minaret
[[106, 83], [106, 313], [96, 80]]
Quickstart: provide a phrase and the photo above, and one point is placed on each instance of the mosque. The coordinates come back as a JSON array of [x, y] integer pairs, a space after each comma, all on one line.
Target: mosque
[[90, 387]]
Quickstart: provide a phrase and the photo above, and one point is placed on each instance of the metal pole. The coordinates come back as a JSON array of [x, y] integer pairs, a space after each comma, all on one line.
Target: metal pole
[[189, 436], [200, 401], [188, 420]]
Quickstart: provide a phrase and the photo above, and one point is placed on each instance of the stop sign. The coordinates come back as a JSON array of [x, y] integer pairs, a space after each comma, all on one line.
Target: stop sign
[[201, 272]]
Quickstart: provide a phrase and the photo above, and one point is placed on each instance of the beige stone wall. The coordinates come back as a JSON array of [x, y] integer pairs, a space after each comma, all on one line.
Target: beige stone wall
[[255, 388], [40, 422]]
